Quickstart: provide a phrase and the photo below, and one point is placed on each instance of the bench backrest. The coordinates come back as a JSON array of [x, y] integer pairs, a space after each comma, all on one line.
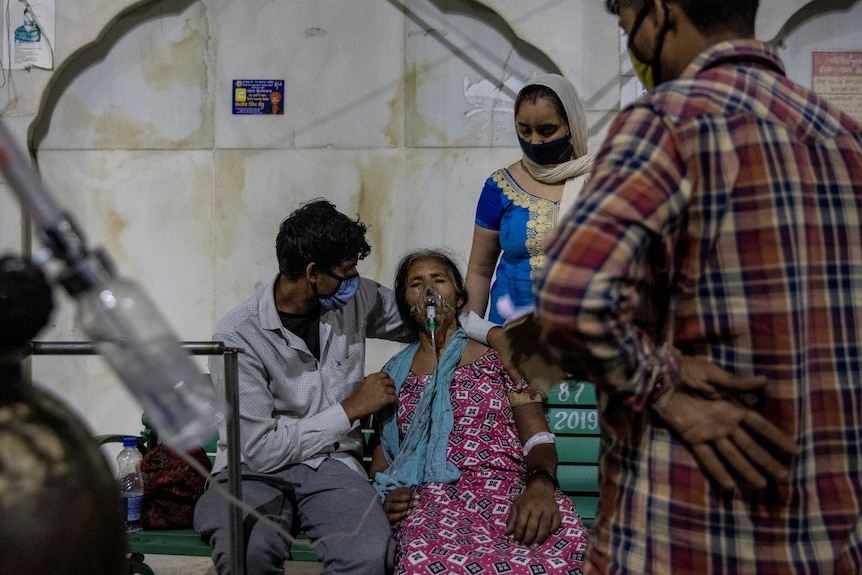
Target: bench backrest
[[572, 416]]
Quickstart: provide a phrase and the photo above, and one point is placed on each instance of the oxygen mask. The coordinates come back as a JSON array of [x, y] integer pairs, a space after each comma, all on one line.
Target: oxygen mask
[[430, 309]]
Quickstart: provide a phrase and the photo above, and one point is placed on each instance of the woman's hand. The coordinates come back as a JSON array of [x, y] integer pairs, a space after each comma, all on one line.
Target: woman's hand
[[535, 513], [399, 503]]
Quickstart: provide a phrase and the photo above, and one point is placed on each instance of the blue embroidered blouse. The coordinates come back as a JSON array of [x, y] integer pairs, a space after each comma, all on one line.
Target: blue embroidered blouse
[[523, 220]]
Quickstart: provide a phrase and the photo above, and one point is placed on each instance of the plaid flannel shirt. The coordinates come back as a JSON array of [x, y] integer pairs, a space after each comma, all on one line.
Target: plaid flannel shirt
[[739, 194]]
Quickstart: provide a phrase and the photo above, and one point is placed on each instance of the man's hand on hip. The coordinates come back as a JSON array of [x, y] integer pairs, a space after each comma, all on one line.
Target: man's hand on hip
[[734, 444]]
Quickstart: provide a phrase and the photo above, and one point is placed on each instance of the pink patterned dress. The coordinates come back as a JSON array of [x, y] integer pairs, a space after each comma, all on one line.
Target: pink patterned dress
[[461, 527]]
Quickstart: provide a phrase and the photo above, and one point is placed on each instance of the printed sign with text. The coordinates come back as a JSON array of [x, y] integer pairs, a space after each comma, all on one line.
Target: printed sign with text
[[837, 76], [258, 97]]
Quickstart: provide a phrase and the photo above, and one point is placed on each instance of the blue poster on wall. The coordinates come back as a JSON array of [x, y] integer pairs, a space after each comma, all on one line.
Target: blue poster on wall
[[258, 97]]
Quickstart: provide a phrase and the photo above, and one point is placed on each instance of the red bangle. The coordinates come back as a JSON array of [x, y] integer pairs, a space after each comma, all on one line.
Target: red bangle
[[531, 474]]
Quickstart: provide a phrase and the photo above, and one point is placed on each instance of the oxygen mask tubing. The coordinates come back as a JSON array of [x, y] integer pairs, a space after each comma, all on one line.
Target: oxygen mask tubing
[[429, 310]]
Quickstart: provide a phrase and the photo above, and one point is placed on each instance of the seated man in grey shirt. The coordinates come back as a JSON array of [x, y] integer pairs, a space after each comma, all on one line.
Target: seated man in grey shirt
[[302, 393]]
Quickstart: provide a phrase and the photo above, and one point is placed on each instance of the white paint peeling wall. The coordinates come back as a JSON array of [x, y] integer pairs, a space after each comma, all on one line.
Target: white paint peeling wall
[[395, 109]]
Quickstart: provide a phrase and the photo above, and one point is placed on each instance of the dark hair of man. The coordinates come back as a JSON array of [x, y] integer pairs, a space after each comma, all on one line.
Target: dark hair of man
[[709, 17], [318, 233], [401, 281], [534, 92]]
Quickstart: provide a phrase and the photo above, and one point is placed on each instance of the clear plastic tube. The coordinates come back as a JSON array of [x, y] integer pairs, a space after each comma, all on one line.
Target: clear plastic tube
[[431, 314], [137, 342], [433, 304]]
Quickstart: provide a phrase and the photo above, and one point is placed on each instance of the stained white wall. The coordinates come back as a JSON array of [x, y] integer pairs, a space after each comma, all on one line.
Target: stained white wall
[[397, 110]]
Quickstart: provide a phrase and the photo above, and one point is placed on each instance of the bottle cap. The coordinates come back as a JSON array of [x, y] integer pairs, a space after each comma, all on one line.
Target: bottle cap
[[130, 442]]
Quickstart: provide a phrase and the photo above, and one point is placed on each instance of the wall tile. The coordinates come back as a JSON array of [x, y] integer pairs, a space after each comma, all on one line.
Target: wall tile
[[323, 50], [151, 91], [152, 213]]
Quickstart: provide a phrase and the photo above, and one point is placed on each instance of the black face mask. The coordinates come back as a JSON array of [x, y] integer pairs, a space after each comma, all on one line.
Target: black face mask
[[552, 152]]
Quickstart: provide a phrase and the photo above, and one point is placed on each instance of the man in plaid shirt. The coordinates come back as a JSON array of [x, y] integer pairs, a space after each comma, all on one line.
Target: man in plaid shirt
[[727, 203]]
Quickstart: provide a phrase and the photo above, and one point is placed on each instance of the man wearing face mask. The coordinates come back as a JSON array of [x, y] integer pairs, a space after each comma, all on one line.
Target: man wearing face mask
[[302, 394], [730, 416]]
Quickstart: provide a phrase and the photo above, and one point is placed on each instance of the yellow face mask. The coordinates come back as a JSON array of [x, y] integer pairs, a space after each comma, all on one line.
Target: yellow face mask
[[644, 71]]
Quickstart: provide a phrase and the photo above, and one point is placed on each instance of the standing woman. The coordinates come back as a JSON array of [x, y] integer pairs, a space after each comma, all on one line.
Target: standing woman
[[521, 203]]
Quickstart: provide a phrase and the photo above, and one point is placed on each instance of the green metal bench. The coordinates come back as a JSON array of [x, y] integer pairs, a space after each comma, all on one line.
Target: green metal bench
[[158, 542], [178, 541], [571, 414]]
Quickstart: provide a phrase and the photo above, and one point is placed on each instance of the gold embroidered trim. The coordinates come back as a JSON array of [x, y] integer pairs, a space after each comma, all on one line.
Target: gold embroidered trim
[[542, 216]]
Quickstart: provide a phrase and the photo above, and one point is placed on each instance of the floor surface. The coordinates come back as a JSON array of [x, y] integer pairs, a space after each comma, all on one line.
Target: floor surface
[[179, 565]]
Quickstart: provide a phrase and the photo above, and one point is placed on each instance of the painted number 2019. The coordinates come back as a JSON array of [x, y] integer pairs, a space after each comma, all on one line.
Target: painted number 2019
[[575, 420]]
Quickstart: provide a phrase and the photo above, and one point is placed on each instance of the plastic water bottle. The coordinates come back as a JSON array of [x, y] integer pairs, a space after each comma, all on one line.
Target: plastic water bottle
[[131, 484]]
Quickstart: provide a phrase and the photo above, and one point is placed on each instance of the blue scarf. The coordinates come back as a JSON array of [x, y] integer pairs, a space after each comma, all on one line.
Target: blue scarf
[[422, 456]]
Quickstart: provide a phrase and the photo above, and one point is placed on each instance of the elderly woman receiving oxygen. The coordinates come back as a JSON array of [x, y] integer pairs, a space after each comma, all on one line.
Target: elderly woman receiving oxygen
[[467, 465]]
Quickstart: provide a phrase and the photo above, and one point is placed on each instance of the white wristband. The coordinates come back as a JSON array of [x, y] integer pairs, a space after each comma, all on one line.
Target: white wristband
[[477, 328], [538, 439]]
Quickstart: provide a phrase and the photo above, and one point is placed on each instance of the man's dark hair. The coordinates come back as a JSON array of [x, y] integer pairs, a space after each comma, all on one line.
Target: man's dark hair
[[401, 281], [709, 17], [318, 233]]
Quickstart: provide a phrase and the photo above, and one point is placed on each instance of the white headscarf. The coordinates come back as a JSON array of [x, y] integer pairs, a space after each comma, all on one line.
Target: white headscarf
[[576, 170]]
